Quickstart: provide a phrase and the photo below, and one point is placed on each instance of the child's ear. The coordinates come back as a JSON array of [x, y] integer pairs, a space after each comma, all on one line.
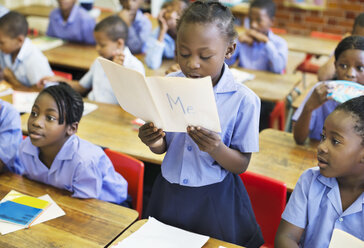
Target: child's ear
[[120, 44], [72, 128], [230, 50]]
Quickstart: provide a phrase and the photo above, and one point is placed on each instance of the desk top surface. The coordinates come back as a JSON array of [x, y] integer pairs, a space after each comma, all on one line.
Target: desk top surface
[[281, 158], [211, 243], [87, 223]]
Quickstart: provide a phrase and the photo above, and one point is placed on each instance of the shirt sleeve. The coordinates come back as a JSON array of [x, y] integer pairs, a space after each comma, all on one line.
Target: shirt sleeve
[[10, 133], [298, 112], [37, 68], [86, 80], [277, 53], [296, 209], [154, 53]]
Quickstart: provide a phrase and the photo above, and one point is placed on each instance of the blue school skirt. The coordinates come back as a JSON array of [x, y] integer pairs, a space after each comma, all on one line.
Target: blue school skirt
[[220, 210]]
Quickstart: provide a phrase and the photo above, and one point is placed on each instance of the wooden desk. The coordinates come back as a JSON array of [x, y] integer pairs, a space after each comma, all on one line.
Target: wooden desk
[[87, 223], [211, 243], [306, 44], [110, 126], [270, 86], [281, 158]]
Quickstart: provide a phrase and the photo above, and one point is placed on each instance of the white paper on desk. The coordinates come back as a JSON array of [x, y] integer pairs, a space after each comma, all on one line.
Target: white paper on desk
[[341, 239], [88, 108], [156, 234], [172, 103], [241, 76], [52, 212]]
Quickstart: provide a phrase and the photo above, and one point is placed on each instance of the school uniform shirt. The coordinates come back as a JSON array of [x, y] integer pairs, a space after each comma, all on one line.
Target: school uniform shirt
[[138, 32], [79, 167], [29, 66], [318, 115], [155, 50], [97, 80], [315, 205], [270, 56], [79, 26], [238, 109], [10, 132]]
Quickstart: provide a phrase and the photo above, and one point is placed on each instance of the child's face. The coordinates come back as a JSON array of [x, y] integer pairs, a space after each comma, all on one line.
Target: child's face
[[350, 66], [260, 20], [201, 50], [132, 5], [66, 5], [340, 151], [43, 127], [10, 45], [172, 14], [106, 47]]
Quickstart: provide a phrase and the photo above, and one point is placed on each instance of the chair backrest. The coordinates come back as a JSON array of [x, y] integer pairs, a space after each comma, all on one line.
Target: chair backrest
[[66, 75], [268, 198], [278, 30], [133, 171], [329, 36]]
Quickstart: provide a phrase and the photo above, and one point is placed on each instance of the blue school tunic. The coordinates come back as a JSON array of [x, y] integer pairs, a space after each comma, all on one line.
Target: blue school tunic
[[318, 116], [79, 26], [79, 167], [10, 132], [270, 56], [155, 50], [30, 64], [315, 205], [138, 32], [97, 80], [194, 192]]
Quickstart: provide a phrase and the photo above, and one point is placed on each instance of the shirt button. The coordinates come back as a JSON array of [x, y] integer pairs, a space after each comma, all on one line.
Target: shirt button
[[341, 219], [189, 148], [185, 181]]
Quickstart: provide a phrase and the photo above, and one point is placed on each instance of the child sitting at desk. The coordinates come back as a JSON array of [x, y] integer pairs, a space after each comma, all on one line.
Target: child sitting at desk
[[110, 35], [330, 196], [54, 155], [162, 43], [10, 133], [139, 25], [258, 47], [22, 64], [327, 71], [71, 22], [309, 118]]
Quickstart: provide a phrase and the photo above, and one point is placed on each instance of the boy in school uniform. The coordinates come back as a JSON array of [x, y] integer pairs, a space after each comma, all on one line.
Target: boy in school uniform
[[71, 22], [259, 48], [22, 64], [110, 35], [162, 42], [327, 71], [139, 25]]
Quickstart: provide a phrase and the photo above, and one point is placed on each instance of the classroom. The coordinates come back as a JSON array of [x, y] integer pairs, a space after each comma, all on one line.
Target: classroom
[[182, 123]]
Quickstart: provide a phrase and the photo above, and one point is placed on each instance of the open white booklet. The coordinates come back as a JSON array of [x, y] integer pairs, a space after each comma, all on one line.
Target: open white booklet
[[341, 238], [171, 103]]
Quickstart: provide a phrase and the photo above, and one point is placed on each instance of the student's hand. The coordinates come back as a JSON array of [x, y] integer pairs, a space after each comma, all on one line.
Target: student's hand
[[43, 81], [9, 76], [151, 135], [127, 16], [318, 97], [258, 36], [163, 26], [208, 141], [118, 57], [246, 38], [173, 68]]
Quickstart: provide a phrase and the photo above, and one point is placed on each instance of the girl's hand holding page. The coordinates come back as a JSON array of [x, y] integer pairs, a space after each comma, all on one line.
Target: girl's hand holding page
[[318, 97], [151, 135], [206, 140]]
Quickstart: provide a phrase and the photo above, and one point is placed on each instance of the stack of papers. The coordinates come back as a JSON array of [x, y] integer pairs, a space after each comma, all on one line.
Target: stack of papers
[[157, 234], [50, 210], [5, 89], [44, 43], [241, 76]]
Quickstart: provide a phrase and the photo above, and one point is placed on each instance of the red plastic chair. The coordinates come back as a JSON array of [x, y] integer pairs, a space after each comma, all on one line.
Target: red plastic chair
[[268, 198], [66, 75], [133, 172], [278, 114]]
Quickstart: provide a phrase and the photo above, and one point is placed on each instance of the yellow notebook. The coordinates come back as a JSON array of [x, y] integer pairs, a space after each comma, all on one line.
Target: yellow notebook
[[31, 202]]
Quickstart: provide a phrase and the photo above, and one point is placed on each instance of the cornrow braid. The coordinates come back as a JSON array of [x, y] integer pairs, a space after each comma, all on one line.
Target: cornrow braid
[[210, 12], [69, 102]]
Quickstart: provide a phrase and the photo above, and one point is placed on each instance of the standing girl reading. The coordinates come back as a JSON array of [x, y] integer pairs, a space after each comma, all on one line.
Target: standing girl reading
[[331, 195], [199, 188]]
